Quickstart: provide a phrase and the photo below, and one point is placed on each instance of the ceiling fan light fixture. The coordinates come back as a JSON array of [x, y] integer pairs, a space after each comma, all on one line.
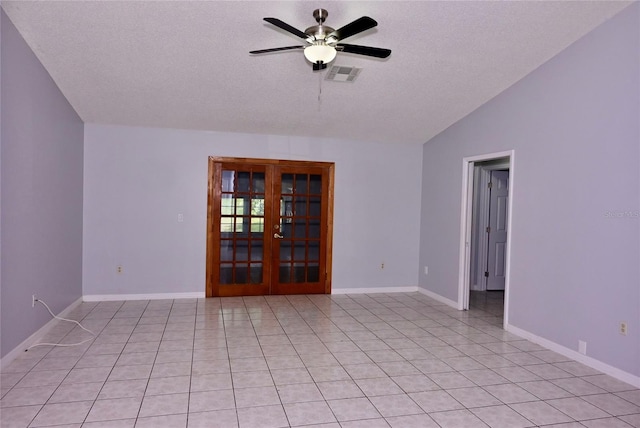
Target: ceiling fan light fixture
[[320, 52]]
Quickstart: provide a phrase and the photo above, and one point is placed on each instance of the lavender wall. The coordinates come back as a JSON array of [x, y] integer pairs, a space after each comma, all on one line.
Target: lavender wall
[[41, 217], [576, 198], [137, 181]]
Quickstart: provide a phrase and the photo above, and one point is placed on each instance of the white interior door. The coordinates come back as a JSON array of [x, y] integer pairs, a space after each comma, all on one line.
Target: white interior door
[[497, 230]]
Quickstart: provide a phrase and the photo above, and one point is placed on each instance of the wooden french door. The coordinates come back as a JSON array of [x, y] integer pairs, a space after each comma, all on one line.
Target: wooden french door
[[269, 227]]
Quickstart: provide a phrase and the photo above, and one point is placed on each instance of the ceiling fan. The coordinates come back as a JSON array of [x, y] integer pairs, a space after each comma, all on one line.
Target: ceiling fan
[[323, 42]]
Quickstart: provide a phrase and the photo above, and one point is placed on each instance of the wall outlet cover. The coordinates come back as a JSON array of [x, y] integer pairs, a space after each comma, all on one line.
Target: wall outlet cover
[[582, 347]]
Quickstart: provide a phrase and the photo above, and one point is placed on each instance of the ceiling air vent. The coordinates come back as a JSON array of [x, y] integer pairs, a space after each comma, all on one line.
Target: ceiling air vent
[[339, 73]]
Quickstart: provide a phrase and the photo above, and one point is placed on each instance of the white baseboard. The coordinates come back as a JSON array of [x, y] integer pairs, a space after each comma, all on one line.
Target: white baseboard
[[374, 290], [201, 295], [151, 296], [438, 297], [574, 355], [35, 337]]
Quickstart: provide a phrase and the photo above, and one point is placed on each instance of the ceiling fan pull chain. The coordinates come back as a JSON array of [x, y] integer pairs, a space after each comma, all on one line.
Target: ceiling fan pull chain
[[319, 90]]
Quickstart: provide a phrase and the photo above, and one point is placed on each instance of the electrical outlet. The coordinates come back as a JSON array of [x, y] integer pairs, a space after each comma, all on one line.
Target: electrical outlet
[[623, 328], [119, 269], [582, 347], [426, 270], [33, 300], [381, 265]]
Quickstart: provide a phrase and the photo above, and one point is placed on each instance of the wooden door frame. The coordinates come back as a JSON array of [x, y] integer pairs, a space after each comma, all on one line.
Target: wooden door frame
[[211, 244]]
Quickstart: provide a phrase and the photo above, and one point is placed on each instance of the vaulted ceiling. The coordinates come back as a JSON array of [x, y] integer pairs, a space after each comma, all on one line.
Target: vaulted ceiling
[[186, 64]]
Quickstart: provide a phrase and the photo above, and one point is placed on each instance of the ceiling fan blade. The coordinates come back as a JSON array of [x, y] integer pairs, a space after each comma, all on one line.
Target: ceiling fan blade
[[355, 27], [285, 48], [364, 50], [280, 24]]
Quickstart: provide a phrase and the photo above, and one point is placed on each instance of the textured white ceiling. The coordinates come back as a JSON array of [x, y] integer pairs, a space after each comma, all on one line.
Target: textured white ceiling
[[186, 64]]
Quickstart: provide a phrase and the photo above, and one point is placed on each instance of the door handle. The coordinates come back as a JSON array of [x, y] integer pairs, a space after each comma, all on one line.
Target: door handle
[[278, 236]]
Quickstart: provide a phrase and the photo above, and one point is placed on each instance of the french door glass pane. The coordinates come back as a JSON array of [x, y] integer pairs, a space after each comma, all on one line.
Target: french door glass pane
[[244, 180], [301, 205], [228, 180], [256, 250], [285, 273], [300, 228], [313, 250], [285, 250], [241, 273], [226, 250], [299, 253], [301, 184], [287, 184], [258, 183], [315, 184], [313, 272], [256, 273], [242, 251], [226, 273], [315, 207], [314, 228], [299, 273]]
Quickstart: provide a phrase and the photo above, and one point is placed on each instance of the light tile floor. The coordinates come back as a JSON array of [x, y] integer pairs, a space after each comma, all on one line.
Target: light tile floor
[[378, 360]]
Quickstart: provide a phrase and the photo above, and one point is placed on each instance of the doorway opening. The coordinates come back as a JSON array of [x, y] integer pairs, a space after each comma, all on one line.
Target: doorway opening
[[485, 233], [269, 227]]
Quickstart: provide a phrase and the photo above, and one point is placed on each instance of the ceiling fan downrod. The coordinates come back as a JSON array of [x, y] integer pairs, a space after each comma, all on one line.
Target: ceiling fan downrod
[[320, 31]]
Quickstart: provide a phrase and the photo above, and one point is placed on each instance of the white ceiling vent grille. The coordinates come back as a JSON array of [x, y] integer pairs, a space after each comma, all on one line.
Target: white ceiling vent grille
[[339, 73]]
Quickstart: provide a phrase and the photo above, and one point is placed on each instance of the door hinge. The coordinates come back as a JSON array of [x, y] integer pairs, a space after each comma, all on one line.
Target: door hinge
[[488, 229], [486, 274], [490, 185]]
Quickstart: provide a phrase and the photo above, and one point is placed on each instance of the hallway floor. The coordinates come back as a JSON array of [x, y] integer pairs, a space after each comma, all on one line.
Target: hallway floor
[[491, 302], [377, 360]]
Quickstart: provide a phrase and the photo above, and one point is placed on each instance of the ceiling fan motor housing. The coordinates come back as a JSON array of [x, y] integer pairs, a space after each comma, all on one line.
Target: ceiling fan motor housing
[[319, 32]]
